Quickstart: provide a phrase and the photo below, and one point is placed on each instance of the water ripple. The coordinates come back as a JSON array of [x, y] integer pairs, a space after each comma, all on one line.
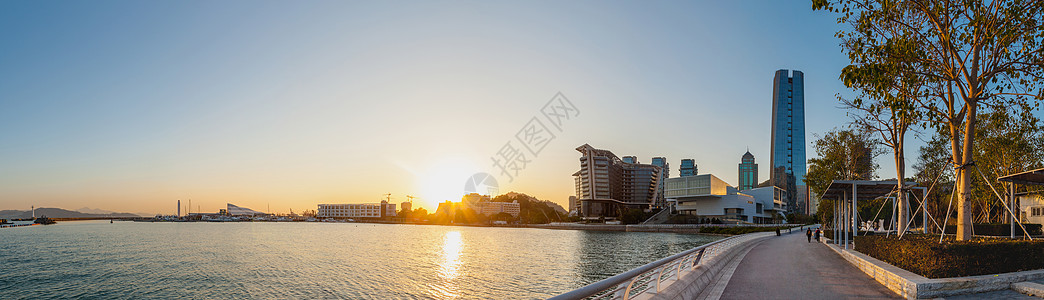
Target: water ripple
[[127, 260]]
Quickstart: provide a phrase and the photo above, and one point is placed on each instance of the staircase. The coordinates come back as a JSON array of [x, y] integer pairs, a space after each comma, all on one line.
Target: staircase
[[659, 218]]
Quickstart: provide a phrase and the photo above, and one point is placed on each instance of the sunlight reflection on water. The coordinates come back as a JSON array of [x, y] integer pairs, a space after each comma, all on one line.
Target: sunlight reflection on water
[[449, 267]]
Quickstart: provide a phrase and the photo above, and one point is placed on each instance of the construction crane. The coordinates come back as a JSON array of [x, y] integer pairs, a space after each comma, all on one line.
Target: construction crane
[[387, 197], [410, 199]]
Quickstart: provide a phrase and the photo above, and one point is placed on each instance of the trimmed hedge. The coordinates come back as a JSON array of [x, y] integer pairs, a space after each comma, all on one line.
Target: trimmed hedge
[[829, 233], [998, 229], [924, 255], [741, 229]]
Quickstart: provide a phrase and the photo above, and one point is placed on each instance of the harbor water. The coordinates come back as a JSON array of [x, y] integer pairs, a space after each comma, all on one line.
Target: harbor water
[[99, 260]]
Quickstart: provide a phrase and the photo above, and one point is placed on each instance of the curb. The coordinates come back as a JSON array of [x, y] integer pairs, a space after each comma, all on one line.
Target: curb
[[1029, 288]]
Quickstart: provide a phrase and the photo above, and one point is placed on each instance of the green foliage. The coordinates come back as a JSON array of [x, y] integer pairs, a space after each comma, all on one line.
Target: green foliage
[[1012, 141], [843, 155], [924, 255], [999, 229], [958, 54], [531, 209], [690, 219], [635, 216]]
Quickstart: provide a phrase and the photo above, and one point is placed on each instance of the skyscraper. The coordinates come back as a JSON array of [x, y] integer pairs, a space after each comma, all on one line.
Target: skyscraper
[[607, 186], [630, 159], [748, 172], [788, 137], [665, 172], [688, 168]]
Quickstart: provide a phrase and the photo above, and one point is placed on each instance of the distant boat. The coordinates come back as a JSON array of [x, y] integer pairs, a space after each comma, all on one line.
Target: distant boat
[[44, 221]]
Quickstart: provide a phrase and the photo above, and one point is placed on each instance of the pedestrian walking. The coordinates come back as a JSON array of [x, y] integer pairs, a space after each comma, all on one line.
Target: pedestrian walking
[[817, 234], [809, 235]]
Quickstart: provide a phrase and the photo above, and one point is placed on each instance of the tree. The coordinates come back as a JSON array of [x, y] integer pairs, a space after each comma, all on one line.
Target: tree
[[842, 155], [886, 105], [970, 53], [1012, 141]]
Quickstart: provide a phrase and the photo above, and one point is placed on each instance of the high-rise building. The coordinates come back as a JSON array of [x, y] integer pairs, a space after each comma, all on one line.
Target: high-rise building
[[665, 172], [406, 206], [573, 205], [688, 168], [630, 159], [788, 137], [606, 185], [748, 172]]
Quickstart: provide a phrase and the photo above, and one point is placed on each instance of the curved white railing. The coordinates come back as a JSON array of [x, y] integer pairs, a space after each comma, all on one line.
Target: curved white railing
[[653, 275]]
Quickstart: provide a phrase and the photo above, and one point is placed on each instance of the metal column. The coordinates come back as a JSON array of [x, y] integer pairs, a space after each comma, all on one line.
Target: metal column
[[1012, 205], [837, 221], [855, 213], [844, 210], [924, 210]]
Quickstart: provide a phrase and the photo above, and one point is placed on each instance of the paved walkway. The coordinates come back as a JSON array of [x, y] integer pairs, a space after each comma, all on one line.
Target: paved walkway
[[788, 267]]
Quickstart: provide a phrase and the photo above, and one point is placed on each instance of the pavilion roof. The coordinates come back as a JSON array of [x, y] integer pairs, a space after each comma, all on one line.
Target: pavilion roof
[[1035, 177]]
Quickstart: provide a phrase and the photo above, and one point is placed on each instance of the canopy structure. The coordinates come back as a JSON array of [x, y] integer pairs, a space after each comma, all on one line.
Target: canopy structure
[[848, 193], [1035, 177]]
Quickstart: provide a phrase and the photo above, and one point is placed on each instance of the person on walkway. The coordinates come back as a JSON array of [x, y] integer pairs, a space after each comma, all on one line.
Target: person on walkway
[[809, 235], [817, 234]]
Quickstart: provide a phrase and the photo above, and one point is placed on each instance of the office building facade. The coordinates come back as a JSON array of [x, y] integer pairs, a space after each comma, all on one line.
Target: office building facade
[[788, 138], [606, 185], [708, 196], [688, 168], [748, 172], [665, 172]]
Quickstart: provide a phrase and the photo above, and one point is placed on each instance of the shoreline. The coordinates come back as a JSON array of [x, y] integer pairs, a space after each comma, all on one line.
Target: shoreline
[[667, 228]]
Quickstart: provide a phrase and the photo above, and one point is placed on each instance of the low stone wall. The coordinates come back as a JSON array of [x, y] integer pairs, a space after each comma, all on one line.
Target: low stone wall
[[913, 286]]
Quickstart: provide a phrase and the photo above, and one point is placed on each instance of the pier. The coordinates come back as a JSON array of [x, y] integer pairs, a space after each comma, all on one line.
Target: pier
[[788, 267]]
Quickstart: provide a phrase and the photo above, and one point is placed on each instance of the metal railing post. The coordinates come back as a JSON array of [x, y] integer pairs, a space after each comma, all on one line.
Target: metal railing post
[[627, 292], [659, 276]]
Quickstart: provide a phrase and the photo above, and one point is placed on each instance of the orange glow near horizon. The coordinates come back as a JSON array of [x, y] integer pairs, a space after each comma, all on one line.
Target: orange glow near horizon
[[444, 180]]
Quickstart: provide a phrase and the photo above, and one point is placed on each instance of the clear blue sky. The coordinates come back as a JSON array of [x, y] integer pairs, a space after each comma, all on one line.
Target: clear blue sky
[[131, 105]]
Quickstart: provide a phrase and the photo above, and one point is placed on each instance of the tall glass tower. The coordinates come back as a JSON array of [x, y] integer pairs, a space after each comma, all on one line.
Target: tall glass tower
[[788, 137], [688, 168], [748, 172]]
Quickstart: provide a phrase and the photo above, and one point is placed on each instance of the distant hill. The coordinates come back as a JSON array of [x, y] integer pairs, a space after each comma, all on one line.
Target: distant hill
[[56, 213], [533, 210]]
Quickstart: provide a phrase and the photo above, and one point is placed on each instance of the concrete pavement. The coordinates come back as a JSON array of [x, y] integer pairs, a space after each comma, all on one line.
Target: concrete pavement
[[788, 267]]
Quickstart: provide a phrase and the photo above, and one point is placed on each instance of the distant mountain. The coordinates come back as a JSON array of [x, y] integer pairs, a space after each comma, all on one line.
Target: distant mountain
[[57, 213], [88, 210]]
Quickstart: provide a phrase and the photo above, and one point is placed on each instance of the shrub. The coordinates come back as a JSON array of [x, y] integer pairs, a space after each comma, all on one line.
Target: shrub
[[998, 229], [829, 233], [924, 255]]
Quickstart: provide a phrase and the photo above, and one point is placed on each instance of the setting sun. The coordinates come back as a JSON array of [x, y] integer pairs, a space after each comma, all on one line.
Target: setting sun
[[444, 180]]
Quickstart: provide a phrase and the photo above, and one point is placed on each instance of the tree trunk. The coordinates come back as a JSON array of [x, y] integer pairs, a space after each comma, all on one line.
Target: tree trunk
[[900, 172], [964, 203]]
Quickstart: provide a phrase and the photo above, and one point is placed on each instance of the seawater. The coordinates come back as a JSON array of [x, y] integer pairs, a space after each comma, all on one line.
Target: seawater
[[99, 260]]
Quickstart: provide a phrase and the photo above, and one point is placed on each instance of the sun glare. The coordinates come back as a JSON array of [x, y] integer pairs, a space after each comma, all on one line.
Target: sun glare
[[443, 181]]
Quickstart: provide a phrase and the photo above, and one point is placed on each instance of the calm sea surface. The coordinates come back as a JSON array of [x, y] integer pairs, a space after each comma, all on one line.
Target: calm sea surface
[[95, 259]]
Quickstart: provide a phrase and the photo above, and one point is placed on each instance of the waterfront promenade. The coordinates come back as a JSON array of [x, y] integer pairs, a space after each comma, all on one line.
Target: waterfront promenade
[[788, 267]]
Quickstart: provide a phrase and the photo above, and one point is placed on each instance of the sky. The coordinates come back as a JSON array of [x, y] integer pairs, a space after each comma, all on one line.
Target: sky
[[276, 105]]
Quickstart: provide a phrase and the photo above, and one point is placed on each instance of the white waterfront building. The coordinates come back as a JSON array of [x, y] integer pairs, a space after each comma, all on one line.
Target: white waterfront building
[[355, 210], [708, 196]]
